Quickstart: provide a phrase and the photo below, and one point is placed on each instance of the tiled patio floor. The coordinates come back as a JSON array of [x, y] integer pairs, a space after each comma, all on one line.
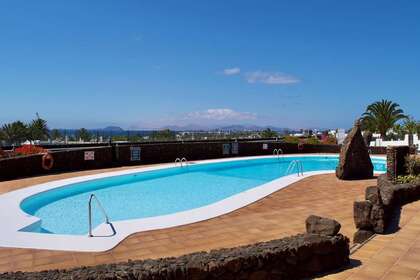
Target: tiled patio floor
[[388, 257], [281, 214]]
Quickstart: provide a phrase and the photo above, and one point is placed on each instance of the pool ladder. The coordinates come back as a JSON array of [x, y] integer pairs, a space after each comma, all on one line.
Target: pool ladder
[[295, 165], [107, 221], [277, 152], [181, 161]]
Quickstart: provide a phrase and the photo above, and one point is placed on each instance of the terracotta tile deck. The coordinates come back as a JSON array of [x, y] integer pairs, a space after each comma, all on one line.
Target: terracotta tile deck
[[280, 214], [391, 256]]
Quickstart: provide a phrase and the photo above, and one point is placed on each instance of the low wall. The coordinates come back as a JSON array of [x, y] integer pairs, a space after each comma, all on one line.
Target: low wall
[[302, 255], [373, 215], [68, 160], [396, 161], [150, 153], [377, 150]]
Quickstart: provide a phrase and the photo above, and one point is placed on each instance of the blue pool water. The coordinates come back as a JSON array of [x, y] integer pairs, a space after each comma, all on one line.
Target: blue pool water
[[154, 193]]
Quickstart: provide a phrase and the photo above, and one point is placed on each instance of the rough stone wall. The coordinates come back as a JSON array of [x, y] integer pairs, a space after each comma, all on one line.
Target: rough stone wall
[[373, 214], [295, 257], [395, 162]]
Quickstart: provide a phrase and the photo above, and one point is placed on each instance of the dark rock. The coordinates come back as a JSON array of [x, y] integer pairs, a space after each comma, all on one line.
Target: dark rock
[[258, 275], [377, 218], [372, 194], [405, 193], [315, 264], [265, 260], [362, 235], [355, 162], [361, 213], [386, 189], [323, 226]]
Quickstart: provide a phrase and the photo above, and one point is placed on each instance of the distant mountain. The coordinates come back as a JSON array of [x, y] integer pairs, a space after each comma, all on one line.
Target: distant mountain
[[237, 128], [188, 127], [113, 129], [116, 130], [252, 128], [240, 128]]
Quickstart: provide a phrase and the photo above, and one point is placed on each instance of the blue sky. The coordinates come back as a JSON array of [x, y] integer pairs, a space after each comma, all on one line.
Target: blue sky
[[147, 64]]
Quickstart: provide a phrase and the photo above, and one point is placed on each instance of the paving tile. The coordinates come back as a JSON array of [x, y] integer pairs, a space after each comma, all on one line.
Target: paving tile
[[401, 270], [393, 275], [280, 214]]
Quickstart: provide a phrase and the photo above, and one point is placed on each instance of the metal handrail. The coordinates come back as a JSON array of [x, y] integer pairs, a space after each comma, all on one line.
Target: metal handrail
[[93, 196], [181, 161], [278, 152], [295, 164]]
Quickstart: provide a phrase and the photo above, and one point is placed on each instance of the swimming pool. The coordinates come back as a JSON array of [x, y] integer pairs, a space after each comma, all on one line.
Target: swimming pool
[[54, 215], [159, 192]]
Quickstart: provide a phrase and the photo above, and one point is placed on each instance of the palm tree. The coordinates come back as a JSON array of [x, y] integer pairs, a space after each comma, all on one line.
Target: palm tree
[[15, 133], [56, 134], [38, 129], [399, 131], [410, 126], [382, 116], [2, 135]]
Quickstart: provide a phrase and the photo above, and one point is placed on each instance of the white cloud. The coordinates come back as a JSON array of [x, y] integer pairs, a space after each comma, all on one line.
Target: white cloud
[[271, 78], [232, 71], [221, 115]]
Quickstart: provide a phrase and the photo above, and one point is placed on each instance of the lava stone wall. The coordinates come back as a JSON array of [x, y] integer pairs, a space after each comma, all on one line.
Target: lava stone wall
[[396, 161], [303, 255], [373, 215]]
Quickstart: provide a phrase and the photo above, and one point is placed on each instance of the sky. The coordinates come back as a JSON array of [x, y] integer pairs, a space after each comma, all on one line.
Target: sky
[[149, 64]]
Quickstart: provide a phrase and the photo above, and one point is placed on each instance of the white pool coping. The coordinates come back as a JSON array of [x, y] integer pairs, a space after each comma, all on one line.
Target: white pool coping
[[13, 218]]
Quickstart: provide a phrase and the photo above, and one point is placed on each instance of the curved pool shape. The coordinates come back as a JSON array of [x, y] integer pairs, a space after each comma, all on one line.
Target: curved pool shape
[[54, 215], [161, 192]]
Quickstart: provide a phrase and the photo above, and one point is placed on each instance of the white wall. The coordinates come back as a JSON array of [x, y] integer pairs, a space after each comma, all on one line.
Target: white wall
[[381, 143]]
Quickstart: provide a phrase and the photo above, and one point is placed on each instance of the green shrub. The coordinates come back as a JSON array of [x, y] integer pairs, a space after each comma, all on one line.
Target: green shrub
[[312, 140], [408, 179], [291, 139], [412, 164], [329, 140]]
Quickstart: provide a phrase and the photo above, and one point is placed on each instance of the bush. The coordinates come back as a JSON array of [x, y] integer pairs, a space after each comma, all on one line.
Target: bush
[[29, 150], [412, 164], [329, 140], [312, 140], [408, 179], [291, 139]]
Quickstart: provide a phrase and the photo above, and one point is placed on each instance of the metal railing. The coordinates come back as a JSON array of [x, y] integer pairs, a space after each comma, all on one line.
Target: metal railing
[[181, 161], [277, 152], [295, 165], [107, 221]]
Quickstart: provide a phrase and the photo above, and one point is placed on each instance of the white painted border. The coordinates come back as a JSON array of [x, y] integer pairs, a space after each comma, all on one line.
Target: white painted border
[[12, 217]]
